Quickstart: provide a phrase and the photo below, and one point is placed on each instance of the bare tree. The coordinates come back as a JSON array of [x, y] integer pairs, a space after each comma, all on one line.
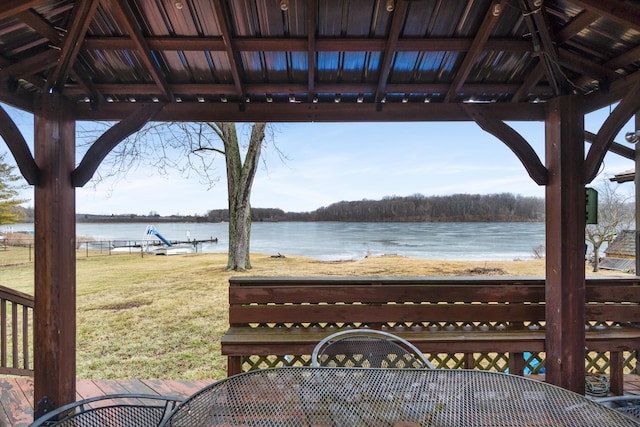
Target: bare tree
[[192, 148], [614, 215]]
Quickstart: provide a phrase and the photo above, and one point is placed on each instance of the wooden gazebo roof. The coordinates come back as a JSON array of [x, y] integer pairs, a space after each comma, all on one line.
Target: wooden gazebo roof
[[300, 60], [487, 61]]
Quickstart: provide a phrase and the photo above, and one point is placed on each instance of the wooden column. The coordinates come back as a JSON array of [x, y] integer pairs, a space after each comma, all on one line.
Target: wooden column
[[636, 181], [565, 241], [55, 265]]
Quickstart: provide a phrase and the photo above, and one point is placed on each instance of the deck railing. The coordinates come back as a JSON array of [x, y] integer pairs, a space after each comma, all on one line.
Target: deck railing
[[16, 332]]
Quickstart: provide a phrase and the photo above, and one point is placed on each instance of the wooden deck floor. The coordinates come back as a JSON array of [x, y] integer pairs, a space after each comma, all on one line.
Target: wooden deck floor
[[16, 394]]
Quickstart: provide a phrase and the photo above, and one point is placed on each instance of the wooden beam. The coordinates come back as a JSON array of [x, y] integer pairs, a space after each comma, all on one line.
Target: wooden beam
[[123, 11], [321, 112], [41, 26], [610, 128], [624, 12], [31, 65], [149, 89], [565, 245], [544, 44], [279, 44], [44, 28], [636, 181], [55, 268], [109, 140], [489, 22], [231, 55], [617, 148], [12, 7], [512, 139], [530, 82], [312, 6], [80, 19], [397, 20], [577, 24], [617, 90], [19, 148]]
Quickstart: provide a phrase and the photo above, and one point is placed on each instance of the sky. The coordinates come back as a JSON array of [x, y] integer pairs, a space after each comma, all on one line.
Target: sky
[[330, 162]]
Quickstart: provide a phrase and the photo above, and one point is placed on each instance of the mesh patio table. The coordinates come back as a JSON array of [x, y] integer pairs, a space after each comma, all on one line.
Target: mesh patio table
[[322, 396]]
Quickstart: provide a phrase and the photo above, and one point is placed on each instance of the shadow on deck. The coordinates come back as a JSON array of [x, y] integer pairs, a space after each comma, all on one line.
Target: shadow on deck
[[16, 394]]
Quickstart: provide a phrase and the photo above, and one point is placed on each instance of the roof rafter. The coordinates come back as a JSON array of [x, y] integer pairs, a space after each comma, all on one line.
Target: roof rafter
[[45, 29], [276, 44], [620, 11], [79, 23], [394, 34], [228, 44], [122, 9], [576, 25], [31, 65], [11, 7], [312, 6], [490, 20], [543, 44]]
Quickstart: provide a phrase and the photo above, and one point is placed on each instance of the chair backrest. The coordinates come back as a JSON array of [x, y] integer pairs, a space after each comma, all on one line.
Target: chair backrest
[[112, 410], [628, 405], [367, 348]]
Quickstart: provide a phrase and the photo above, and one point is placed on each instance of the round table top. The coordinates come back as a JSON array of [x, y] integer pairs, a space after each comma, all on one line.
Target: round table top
[[305, 396]]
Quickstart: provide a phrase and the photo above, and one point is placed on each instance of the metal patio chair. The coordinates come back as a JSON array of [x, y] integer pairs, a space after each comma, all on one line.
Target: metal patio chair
[[122, 410], [368, 348], [627, 404]]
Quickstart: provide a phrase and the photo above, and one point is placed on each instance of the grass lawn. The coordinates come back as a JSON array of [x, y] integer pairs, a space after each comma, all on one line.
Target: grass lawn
[[162, 317]]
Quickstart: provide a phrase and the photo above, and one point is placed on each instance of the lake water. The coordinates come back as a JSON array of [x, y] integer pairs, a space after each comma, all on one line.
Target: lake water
[[350, 240]]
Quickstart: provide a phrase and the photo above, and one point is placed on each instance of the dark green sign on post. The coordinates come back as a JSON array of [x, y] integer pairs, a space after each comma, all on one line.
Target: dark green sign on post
[[592, 205]]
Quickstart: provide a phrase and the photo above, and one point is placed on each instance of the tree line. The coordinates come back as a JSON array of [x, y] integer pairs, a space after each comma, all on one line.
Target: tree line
[[502, 207]]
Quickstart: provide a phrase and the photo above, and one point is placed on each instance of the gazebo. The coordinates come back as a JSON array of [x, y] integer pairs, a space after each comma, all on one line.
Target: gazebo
[[486, 61]]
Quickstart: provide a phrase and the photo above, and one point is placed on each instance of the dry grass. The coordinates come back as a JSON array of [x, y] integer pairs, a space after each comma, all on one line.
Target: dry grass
[[162, 317]]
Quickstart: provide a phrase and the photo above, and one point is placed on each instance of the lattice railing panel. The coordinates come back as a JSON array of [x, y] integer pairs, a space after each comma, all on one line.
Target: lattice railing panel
[[534, 362]]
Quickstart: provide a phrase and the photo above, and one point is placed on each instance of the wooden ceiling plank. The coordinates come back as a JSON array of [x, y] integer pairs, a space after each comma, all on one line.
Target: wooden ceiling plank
[[623, 12], [79, 23], [397, 21], [489, 22], [623, 112], [231, 56], [122, 9], [512, 139]]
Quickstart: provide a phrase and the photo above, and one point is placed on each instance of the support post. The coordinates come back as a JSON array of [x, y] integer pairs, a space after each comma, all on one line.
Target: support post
[[55, 263], [636, 180], [565, 245]]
